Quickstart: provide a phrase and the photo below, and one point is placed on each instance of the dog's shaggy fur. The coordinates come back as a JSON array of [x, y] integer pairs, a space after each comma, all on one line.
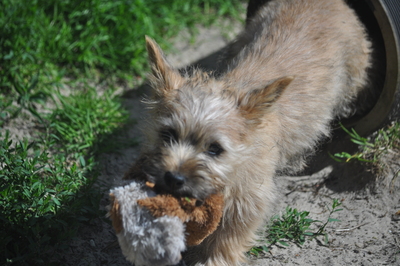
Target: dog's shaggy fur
[[296, 67]]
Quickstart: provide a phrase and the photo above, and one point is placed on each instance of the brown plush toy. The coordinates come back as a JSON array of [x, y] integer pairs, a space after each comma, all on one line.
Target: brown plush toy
[[200, 221], [153, 229]]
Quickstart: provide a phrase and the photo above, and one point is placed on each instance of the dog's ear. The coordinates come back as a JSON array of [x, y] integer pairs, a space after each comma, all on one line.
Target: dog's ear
[[256, 103], [164, 78]]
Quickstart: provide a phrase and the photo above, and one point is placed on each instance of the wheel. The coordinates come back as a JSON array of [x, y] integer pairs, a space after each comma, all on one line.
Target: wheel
[[382, 20]]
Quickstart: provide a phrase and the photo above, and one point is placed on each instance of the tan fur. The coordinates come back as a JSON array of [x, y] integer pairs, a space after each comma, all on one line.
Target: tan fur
[[297, 65]]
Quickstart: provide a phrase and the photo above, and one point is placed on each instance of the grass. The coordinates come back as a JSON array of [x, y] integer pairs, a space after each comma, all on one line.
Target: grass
[[47, 181], [59, 64], [380, 151], [82, 36], [39, 197], [294, 226], [82, 117], [374, 148]]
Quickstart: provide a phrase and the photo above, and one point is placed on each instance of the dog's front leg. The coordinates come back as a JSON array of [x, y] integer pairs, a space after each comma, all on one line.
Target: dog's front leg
[[237, 232]]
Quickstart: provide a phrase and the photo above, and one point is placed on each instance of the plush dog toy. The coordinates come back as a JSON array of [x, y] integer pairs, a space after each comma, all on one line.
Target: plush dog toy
[[153, 229]]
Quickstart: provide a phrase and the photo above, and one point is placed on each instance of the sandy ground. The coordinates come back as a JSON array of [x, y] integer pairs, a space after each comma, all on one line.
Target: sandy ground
[[369, 231]]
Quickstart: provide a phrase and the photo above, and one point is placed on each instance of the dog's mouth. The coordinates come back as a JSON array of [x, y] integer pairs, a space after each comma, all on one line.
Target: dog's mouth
[[176, 187], [184, 192], [177, 184], [178, 194]]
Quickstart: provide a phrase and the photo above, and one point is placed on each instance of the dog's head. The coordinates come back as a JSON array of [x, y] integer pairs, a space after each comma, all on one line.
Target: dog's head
[[200, 127]]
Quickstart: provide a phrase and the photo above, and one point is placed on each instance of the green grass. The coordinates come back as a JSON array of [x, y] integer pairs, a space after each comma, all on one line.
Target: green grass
[[80, 36], [47, 182], [54, 57], [82, 117], [374, 148], [379, 151], [38, 199], [295, 226]]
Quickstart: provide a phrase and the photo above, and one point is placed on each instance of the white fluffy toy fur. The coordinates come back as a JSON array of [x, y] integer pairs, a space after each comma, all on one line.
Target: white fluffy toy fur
[[145, 240]]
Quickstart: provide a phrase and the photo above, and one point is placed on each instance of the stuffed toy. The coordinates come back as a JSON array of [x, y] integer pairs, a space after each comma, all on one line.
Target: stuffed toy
[[154, 229]]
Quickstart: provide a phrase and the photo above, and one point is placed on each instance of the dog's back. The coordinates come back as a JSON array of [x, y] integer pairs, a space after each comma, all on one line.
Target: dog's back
[[323, 46]]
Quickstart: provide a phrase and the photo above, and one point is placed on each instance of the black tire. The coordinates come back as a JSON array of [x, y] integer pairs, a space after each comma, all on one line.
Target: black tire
[[382, 19]]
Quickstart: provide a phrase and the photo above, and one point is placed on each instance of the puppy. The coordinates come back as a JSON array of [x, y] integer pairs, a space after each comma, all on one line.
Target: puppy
[[297, 66]]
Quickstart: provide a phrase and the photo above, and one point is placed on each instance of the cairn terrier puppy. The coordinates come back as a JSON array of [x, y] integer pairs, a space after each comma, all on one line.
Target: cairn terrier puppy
[[297, 66]]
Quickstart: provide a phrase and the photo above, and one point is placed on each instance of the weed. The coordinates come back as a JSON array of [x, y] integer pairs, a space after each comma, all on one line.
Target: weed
[[294, 226], [46, 184], [6, 109], [357, 139], [33, 191], [374, 148]]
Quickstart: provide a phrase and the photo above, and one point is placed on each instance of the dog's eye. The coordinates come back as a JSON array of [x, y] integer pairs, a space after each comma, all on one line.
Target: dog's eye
[[169, 135], [214, 149]]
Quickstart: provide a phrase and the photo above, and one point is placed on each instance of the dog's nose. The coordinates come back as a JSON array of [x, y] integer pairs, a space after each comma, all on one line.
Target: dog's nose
[[174, 181]]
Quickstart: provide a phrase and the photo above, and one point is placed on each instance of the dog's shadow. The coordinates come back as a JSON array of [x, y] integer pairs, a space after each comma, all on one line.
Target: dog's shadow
[[344, 175]]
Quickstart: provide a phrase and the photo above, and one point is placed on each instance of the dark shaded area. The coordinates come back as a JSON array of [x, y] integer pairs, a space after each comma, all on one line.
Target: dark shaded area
[[345, 176], [253, 7]]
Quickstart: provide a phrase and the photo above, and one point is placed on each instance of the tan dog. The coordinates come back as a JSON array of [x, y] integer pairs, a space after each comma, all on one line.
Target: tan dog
[[297, 65]]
